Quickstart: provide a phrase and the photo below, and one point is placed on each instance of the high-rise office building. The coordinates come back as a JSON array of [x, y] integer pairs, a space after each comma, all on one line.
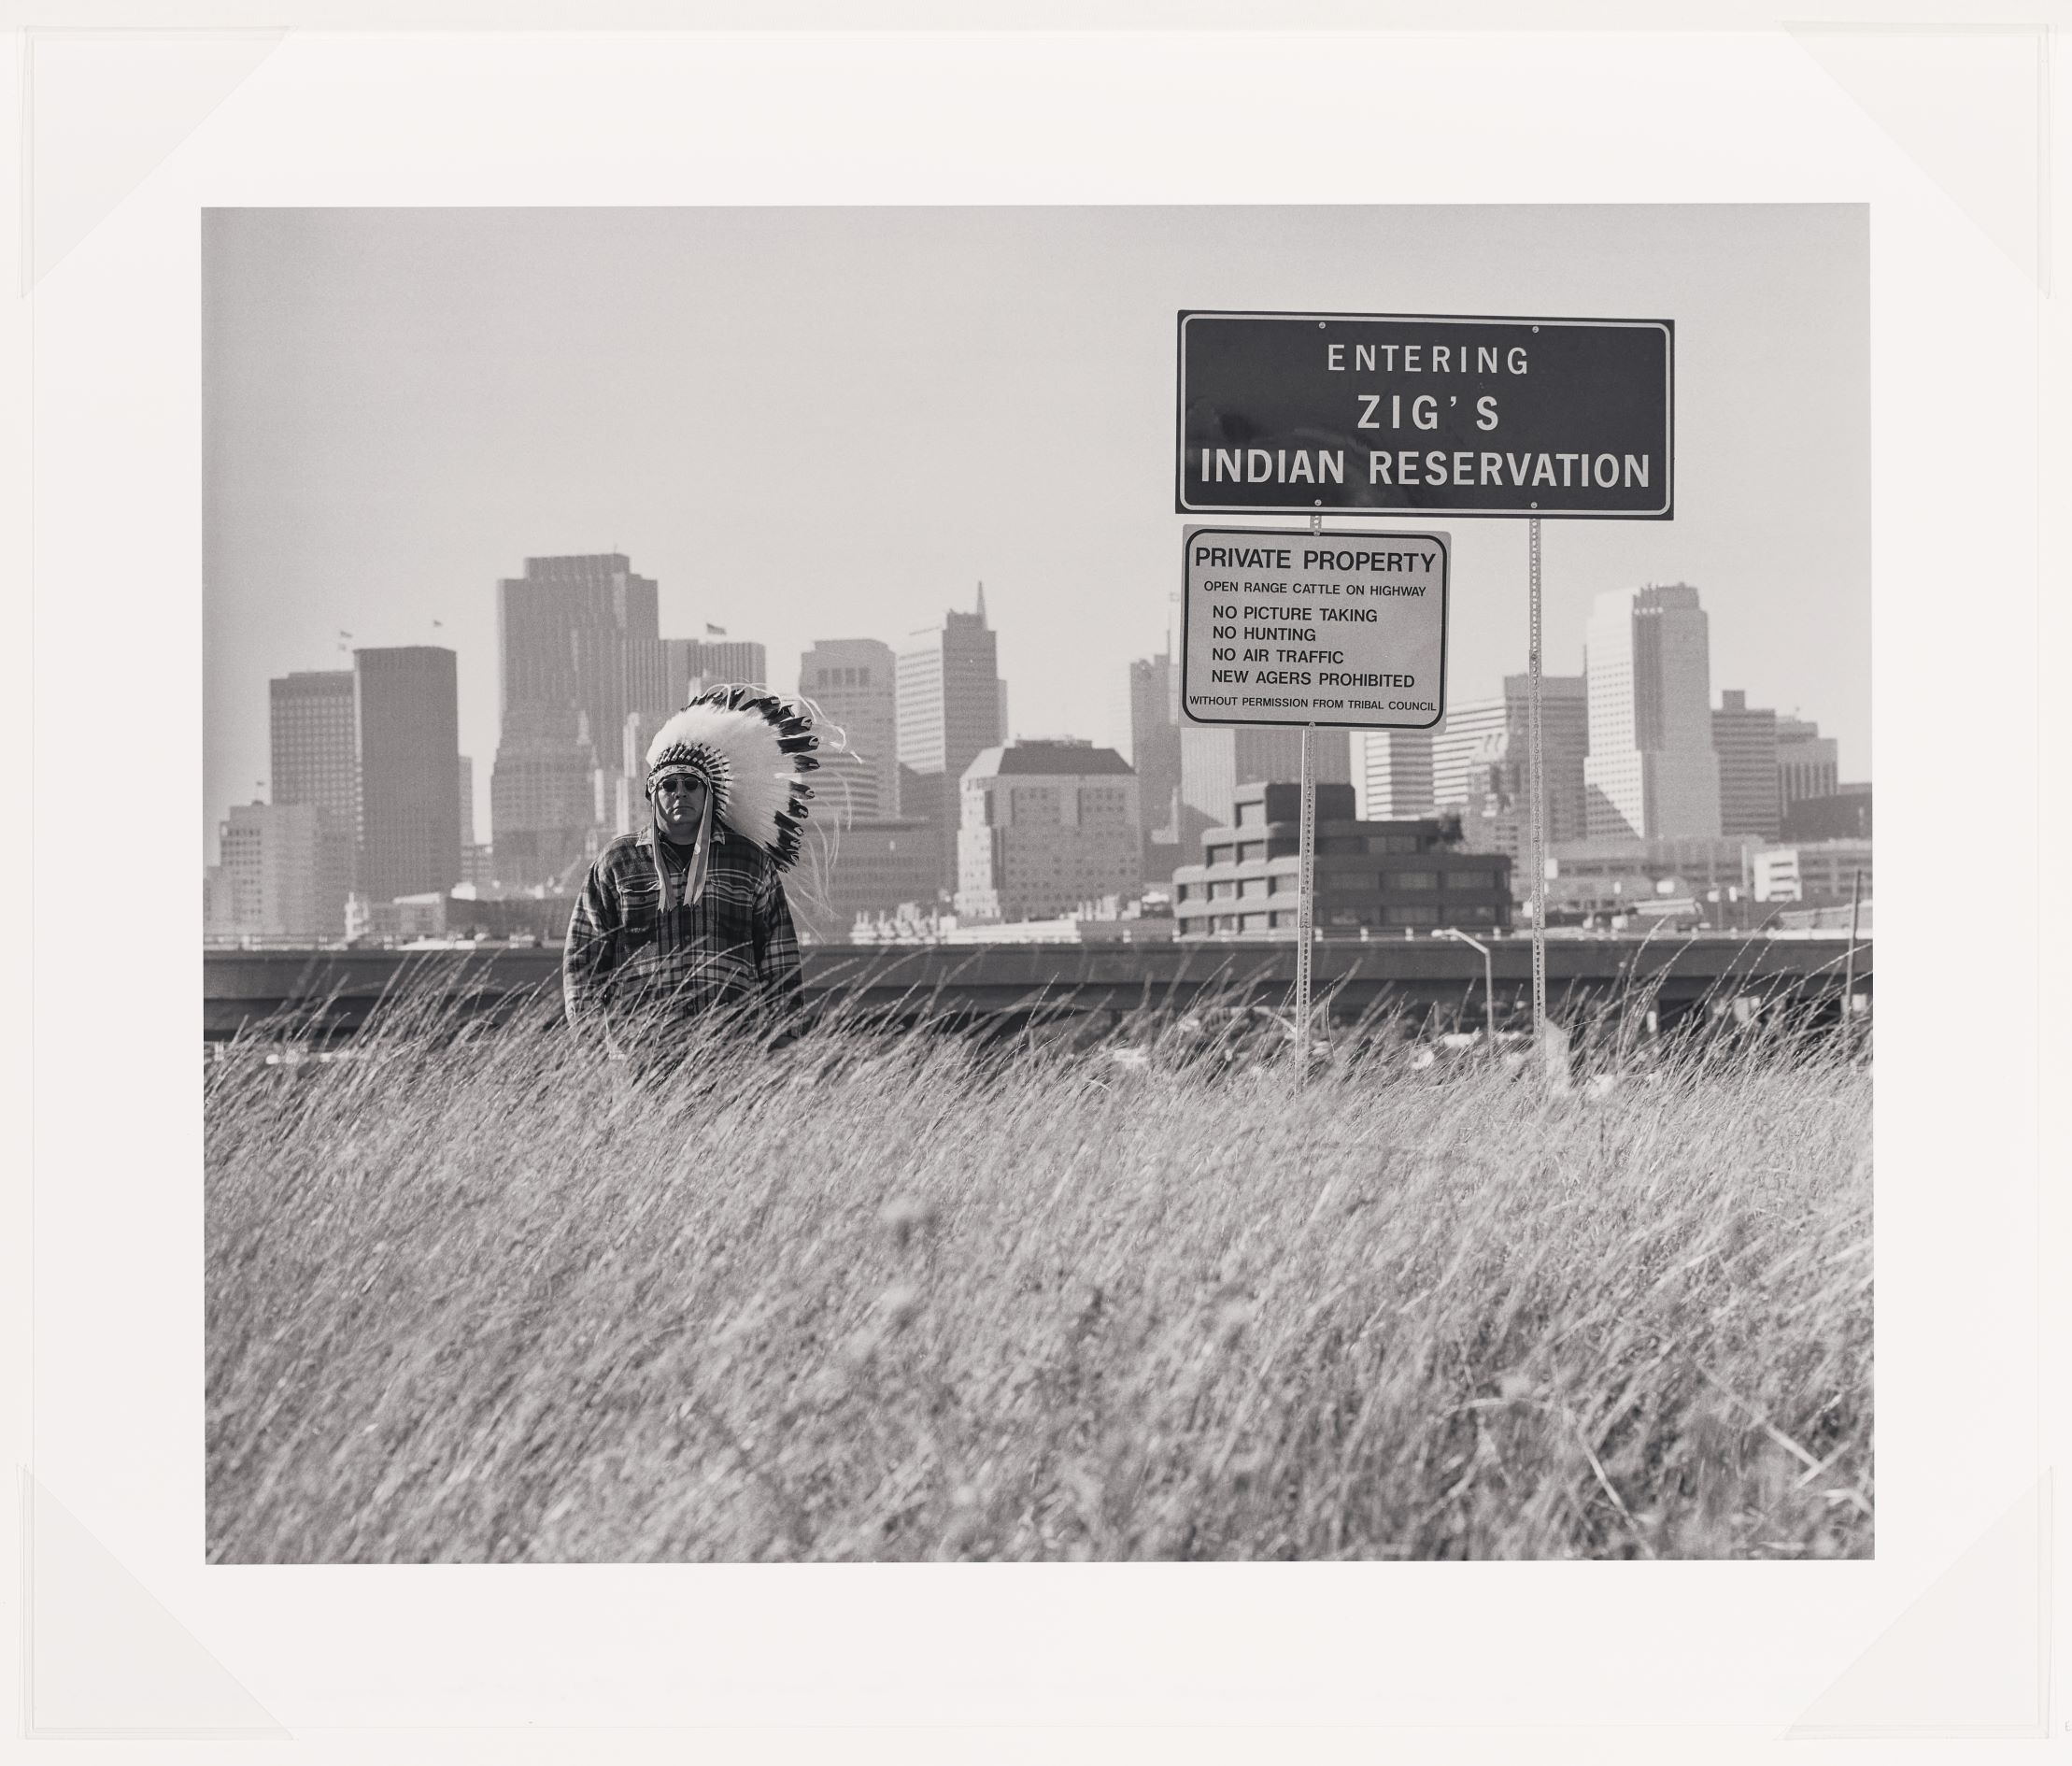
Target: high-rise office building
[[658, 672], [950, 705], [854, 683], [1807, 762], [1477, 730], [1392, 775], [579, 651], [219, 900], [475, 866], [662, 673], [1564, 746], [1146, 715], [542, 795], [563, 629], [734, 662], [1482, 763], [316, 761], [1154, 739], [1470, 733], [1744, 737], [1650, 770], [1216, 759], [1045, 826], [407, 710], [266, 884]]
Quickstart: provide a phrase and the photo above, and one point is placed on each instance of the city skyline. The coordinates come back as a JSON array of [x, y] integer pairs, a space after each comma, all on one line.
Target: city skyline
[[1263, 751], [1121, 722], [400, 406]]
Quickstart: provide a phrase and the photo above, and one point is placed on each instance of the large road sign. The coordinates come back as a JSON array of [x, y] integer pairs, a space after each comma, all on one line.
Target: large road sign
[[1298, 412], [1287, 627]]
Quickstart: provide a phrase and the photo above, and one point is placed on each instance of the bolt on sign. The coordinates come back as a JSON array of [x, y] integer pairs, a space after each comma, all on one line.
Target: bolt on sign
[[1282, 627], [1298, 412]]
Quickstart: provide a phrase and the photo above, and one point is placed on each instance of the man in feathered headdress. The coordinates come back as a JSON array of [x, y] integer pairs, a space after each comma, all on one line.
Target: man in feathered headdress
[[689, 917]]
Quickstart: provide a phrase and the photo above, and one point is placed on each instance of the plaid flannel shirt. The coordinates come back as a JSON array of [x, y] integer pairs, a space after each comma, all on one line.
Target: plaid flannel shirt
[[629, 966]]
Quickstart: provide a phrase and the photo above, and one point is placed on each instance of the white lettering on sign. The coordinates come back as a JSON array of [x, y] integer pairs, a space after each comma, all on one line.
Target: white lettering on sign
[[1276, 410], [1407, 467], [1273, 465], [1428, 358]]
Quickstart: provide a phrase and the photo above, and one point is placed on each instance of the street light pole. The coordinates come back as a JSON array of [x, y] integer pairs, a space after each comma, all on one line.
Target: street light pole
[[1849, 966], [1488, 983]]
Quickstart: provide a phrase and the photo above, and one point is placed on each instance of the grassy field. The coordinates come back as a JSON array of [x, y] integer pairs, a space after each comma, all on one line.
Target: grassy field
[[871, 1298]]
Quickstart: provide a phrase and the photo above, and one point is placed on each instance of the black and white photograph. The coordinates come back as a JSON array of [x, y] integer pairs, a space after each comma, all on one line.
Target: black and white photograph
[[1038, 884], [1032, 868]]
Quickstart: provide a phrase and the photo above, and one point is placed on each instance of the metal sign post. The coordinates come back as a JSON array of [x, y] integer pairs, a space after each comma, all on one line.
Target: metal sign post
[[1541, 1042], [1305, 907], [1305, 929], [1849, 965]]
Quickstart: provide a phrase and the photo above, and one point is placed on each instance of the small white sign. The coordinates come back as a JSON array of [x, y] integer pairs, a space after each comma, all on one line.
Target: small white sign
[[1282, 626]]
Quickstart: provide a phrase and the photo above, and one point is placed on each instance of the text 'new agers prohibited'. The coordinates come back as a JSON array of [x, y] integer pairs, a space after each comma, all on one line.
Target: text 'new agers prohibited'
[[1299, 412], [1345, 629]]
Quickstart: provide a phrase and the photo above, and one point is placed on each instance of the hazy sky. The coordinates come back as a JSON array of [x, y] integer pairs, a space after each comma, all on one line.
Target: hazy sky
[[832, 422]]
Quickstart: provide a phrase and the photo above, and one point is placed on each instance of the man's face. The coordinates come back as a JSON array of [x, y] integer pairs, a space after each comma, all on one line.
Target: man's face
[[680, 806]]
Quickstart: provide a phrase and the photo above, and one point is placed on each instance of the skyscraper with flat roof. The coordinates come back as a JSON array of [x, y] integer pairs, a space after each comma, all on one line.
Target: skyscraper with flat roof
[[542, 795], [563, 632], [855, 682], [951, 703], [1650, 770], [1216, 759], [1154, 734], [1392, 775], [314, 738], [658, 673], [1807, 762], [266, 883], [732, 660], [407, 712], [579, 651], [1482, 763], [1744, 737]]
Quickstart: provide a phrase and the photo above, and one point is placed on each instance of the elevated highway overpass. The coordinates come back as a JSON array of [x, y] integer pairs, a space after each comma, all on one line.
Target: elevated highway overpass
[[331, 992]]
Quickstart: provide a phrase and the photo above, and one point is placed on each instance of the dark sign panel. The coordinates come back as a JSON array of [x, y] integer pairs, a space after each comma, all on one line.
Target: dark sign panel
[[1297, 412]]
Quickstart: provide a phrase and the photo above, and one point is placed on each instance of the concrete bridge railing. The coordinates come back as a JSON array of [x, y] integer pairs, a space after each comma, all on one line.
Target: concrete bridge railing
[[334, 992]]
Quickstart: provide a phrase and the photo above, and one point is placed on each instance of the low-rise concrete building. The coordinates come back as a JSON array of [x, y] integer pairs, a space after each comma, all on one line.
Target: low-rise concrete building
[[1689, 862], [419, 916], [1372, 878], [1812, 871], [1844, 816], [862, 870]]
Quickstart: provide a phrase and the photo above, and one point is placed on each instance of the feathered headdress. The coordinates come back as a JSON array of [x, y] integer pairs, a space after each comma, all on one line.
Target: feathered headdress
[[754, 750]]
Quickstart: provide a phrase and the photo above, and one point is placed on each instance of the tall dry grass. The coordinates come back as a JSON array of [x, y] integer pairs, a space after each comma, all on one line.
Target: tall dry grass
[[472, 1298]]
